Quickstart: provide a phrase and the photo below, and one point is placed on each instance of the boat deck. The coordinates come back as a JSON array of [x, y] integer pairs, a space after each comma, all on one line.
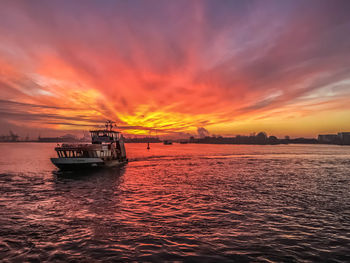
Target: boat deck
[[81, 147]]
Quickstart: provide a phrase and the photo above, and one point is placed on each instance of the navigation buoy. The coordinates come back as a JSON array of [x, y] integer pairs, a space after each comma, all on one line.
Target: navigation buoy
[[148, 146]]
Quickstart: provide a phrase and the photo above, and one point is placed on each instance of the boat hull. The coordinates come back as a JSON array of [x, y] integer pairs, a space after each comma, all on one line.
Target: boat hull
[[84, 163]]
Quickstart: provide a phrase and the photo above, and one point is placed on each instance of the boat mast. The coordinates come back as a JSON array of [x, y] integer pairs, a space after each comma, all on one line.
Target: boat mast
[[109, 125]]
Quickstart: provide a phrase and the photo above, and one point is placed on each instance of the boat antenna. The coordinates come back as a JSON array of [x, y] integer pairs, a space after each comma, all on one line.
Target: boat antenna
[[109, 125]]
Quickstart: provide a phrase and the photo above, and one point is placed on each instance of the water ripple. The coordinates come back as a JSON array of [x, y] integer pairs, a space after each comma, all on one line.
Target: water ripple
[[211, 203]]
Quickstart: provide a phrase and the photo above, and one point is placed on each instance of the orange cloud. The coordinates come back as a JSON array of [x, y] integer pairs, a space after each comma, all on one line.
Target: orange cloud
[[172, 67]]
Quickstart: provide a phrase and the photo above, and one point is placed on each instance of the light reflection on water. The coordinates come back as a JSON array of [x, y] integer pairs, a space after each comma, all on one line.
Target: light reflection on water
[[178, 202]]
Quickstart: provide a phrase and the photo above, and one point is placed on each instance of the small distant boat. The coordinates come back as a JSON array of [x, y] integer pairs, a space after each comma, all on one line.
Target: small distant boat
[[106, 150], [167, 142]]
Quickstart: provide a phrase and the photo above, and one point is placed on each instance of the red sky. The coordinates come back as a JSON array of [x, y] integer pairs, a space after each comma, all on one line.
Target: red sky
[[232, 67]]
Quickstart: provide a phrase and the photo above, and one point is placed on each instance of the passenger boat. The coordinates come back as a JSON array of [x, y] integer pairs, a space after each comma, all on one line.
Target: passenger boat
[[106, 150]]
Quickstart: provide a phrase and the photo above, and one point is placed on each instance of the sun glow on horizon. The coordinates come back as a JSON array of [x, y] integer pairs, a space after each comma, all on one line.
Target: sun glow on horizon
[[233, 68]]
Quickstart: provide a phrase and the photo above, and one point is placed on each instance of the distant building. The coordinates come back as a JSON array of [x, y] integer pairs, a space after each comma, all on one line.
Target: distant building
[[142, 140], [261, 138], [328, 138], [12, 137], [344, 137], [64, 138], [272, 140]]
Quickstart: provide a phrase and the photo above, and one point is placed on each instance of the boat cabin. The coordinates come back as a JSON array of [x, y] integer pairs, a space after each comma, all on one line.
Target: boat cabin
[[110, 151], [104, 136]]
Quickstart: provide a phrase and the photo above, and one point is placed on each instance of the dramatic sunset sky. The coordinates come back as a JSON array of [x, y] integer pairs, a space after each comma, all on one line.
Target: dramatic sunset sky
[[231, 67]]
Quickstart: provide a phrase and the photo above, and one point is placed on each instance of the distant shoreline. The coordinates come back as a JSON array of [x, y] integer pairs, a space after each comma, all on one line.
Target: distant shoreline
[[207, 143]]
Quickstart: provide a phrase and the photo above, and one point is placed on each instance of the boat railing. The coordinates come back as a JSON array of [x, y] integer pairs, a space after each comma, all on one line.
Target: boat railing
[[78, 147]]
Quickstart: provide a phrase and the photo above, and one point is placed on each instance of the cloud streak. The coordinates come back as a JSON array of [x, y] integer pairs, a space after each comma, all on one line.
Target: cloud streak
[[157, 65]]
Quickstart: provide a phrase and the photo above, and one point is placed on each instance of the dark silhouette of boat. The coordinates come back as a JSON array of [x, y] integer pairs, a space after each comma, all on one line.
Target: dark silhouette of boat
[[167, 142]]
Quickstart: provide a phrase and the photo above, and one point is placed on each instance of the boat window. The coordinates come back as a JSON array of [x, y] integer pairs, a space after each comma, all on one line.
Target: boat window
[[92, 154]]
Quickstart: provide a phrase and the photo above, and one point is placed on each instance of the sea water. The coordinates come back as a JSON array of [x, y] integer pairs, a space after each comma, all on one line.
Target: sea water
[[180, 202]]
